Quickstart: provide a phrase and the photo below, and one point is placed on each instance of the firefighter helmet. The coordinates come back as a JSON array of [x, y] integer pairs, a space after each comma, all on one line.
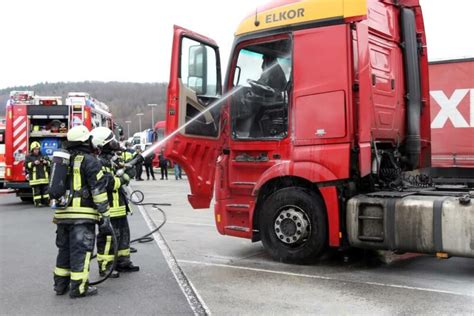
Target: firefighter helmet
[[101, 136], [78, 133], [35, 145]]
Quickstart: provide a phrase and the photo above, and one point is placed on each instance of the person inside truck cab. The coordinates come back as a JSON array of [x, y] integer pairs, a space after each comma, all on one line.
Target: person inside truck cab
[[272, 74]]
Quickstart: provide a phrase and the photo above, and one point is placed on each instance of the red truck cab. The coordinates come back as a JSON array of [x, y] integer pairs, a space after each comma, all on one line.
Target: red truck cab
[[323, 101]]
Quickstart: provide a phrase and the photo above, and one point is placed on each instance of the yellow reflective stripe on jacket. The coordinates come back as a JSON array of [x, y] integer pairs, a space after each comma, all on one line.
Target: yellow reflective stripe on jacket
[[77, 180], [99, 175], [118, 211], [123, 253], [117, 183], [74, 214], [62, 272], [115, 199], [38, 181], [76, 202], [82, 210], [77, 183], [100, 198]]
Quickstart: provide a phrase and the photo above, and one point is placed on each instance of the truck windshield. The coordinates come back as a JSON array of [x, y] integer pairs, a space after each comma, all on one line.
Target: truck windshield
[[260, 108]]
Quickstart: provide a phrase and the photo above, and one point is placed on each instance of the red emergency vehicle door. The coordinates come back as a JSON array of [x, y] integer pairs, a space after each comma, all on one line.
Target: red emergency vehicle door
[[193, 112]]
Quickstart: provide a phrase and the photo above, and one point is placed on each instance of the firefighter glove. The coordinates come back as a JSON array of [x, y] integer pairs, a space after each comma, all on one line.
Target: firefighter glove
[[124, 179]]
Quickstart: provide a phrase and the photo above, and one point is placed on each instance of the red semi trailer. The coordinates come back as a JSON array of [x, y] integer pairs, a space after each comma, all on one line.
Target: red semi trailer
[[310, 140], [452, 112]]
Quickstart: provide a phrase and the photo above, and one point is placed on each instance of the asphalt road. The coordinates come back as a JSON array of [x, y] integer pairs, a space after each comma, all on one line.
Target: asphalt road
[[223, 275], [234, 276], [27, 261]]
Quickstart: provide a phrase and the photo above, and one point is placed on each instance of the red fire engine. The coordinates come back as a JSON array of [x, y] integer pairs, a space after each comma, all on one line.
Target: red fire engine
[[320, 131], [46, 120]]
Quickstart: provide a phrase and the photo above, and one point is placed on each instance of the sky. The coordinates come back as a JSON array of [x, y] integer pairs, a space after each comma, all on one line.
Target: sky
[[123, 40]]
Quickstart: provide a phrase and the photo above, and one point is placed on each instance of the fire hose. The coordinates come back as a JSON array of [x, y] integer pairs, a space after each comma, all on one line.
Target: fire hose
[[142, 239]]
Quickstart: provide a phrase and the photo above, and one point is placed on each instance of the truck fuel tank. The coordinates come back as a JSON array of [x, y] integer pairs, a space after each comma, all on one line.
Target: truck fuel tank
[[412, 222]]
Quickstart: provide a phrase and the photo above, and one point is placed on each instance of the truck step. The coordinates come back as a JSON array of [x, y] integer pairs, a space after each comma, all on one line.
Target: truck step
[[238, 206], [375, 218], [370, 238], [238, 228], [243, 184]]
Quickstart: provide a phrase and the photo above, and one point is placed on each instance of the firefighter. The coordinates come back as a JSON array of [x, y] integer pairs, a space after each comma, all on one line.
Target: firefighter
[[37, 167], [127, 154], [104, 140], [87, 205]]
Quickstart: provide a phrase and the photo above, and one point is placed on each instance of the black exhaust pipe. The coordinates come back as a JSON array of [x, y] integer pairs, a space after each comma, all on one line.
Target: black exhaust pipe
[[413, 87]]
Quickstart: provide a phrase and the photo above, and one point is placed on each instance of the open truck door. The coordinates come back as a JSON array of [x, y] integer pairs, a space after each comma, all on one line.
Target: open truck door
[[193, 113]]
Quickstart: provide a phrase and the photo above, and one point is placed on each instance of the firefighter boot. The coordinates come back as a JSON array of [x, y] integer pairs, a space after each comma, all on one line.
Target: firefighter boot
[[115, 274], [127, 267], [89, 291], [61, 285]]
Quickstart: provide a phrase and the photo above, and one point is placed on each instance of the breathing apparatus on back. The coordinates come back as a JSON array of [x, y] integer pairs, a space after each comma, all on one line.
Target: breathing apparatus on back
[[59, 185]]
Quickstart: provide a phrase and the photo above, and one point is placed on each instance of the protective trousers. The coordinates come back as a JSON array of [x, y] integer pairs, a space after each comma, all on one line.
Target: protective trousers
[[75, 243], [40, 194], [105, 247]]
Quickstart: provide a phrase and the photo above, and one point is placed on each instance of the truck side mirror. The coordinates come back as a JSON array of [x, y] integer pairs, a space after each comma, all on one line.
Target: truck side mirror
[[237, 73], [197, 69]]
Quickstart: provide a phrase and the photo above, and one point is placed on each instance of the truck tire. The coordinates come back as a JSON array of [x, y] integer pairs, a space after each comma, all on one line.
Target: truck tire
[[293, 225]]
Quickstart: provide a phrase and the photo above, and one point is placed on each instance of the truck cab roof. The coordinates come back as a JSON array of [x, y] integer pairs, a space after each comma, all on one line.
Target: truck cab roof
[[295, 13]]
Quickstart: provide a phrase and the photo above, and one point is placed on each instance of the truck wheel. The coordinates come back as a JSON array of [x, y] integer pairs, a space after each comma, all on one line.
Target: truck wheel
[[293, 225]]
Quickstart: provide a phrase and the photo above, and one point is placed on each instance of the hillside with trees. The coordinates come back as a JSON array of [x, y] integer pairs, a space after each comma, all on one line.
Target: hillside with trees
[[125, 99]]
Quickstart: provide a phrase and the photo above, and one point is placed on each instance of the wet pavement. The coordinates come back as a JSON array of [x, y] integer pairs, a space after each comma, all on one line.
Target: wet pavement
[[235, 276], [190, 264], [28, 255]]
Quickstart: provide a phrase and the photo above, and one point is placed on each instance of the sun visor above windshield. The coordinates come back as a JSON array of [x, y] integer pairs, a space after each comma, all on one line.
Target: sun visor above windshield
[[292, 13]]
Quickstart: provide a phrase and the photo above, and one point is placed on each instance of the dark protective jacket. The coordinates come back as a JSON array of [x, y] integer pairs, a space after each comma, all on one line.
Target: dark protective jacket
[[88, 187], [149, 159], [275, 78], [38, 174], [116, 195]]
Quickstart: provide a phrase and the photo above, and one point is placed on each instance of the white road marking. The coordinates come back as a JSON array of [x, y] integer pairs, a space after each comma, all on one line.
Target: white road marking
[[192, 296], [322, 277]]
